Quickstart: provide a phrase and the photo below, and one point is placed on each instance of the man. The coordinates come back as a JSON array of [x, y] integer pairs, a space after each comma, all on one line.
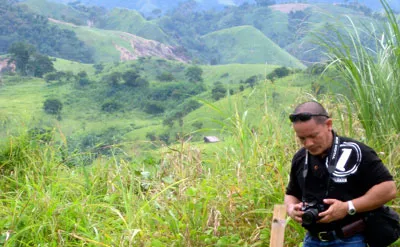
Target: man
[[342, 177]]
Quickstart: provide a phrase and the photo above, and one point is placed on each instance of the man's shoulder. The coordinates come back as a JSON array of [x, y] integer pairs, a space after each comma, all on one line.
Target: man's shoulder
[[299, 155], [350, 141]]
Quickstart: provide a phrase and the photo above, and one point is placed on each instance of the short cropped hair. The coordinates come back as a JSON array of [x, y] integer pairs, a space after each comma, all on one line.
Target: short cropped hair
[[312, 107]]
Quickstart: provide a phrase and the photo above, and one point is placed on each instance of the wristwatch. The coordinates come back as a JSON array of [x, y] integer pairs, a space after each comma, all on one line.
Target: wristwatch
[[351, 210]]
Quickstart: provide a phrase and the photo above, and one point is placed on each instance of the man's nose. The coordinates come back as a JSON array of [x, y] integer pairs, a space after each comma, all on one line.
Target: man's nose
[[308, 142]]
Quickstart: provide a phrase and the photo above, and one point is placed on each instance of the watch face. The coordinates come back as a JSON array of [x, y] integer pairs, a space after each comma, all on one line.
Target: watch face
[[352, 211]]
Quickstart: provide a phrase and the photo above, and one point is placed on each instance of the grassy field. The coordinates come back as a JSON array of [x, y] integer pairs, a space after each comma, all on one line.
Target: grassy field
[[131, 191]]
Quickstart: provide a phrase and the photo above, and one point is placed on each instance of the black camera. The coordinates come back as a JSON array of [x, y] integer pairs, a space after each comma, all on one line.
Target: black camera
[[311, 211]]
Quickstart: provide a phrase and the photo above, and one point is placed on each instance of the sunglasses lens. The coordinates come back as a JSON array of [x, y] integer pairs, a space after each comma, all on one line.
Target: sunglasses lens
[[300, 117]]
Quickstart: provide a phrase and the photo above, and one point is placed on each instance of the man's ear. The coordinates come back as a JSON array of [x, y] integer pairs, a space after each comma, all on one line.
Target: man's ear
[[328, 123]]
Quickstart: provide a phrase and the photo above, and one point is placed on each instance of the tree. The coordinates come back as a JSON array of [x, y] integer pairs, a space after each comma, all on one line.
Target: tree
[[154, 107], [194, 74], [281, 72], [219, 91], [264, 2], [39, 65], [98, 67], [113, 79], [140, 82], [166, 76], [111, 106], [130, 77], [52, 106], [251, 81], [278, 73], [20, 54]]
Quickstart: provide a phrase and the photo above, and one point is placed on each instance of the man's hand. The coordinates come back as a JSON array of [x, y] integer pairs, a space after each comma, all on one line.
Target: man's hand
[[295, 212], [337, 210]]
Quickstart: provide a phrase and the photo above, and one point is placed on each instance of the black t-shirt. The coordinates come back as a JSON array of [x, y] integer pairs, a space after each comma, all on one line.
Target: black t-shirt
[[358, 169]]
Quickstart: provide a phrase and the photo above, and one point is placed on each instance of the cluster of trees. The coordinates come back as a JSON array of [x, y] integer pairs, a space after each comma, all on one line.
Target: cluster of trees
[[130, 89], [28, 61], [17, 24], [278, 73]]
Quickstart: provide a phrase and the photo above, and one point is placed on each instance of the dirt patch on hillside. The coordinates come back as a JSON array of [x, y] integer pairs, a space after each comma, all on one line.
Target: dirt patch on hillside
[[61, 22], [287, 8], [147, 48], [141, 47], [4, 66]]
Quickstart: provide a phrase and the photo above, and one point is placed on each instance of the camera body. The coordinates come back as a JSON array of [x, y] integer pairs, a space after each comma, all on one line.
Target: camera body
[[311, 211]]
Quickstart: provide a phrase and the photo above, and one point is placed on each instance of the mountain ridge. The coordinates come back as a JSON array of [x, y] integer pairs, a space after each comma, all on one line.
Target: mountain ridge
[[150, 5]]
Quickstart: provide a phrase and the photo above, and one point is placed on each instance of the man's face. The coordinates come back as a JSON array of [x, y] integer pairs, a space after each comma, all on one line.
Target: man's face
[[316, 138]]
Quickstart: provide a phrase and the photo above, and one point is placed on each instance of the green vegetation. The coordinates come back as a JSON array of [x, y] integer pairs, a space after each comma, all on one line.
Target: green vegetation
[[373, 78], [248, 44], [132, 22], [18, 24], [52, 106], [28, 61], [120, 160], [57, 11], [256, 33]]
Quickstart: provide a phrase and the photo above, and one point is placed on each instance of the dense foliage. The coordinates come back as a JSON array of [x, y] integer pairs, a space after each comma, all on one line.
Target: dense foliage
[[28, 61], [18, 24]]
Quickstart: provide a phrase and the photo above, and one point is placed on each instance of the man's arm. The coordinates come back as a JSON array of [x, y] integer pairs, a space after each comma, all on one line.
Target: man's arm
[[375, 197], [293, 207]]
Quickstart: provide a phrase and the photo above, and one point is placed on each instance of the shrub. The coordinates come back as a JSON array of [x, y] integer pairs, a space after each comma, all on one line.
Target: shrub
[[166, 76], [52, 106], [111, 106], [251, 80], [151, 136], [154, 107], [278, 73], [130, 77], [197, 124], [219, 91], [194, 74]]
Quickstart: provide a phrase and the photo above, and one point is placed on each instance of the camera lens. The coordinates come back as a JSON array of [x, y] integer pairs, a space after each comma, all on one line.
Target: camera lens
[[310, 216]]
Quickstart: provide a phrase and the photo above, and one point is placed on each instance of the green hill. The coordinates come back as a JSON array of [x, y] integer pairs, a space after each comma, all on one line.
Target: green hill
[[132, 22], [246, 44], [114, 46], [57, 11]]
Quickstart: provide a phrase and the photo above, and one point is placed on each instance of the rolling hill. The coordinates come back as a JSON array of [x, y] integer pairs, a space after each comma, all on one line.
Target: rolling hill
[[146, 6], [246, 44], [134, 23], [242, 34], [113, 46]]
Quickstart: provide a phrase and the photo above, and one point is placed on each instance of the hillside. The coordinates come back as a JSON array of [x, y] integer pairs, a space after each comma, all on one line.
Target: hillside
[[246, 44], [134, 23], [82, 114], [150, 5], [58, 11], [18, 23], [112, 46], [199, 35]]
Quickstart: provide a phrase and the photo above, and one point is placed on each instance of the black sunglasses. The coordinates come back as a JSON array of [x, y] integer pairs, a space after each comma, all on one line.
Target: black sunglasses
[[304, 116]]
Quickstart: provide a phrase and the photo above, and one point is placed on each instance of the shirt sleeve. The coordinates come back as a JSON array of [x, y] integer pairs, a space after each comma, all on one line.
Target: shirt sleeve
[[293, 188], [373, 170]]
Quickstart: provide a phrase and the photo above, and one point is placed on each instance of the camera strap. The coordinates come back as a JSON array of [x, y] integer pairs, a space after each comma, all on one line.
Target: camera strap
[[332, 160]]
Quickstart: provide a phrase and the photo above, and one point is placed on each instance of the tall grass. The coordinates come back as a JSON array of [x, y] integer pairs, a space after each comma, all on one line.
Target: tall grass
[[189, 198], [372, 75]]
